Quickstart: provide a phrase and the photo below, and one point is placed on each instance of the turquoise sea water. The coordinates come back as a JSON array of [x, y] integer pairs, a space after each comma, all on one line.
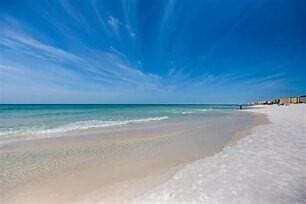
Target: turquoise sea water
[[44, 119]]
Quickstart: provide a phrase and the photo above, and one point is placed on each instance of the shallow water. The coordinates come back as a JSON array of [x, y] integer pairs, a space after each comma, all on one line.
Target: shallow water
[[85, 160], [33, 120]]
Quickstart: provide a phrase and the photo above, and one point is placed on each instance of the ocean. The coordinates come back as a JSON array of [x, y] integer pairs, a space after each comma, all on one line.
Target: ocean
[[30, 120]]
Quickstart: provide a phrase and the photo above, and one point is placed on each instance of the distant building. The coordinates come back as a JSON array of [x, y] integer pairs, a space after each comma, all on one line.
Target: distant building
[[294, 99], [303, 99], [283, 101]]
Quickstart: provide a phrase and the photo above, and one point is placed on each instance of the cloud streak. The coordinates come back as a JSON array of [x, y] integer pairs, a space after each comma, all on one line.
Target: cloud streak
[[139, 51], [109, 69]]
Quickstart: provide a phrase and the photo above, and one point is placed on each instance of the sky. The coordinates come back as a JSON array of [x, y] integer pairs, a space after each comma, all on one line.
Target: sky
[[151, 51]]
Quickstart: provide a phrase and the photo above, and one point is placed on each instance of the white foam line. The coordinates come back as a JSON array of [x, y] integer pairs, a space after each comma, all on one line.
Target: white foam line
[[81, 125]]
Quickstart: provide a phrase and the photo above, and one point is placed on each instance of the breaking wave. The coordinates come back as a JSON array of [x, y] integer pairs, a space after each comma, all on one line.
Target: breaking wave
[[80, 125]]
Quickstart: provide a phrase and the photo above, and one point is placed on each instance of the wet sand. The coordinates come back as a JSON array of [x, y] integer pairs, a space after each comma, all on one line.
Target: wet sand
[[113, 164]]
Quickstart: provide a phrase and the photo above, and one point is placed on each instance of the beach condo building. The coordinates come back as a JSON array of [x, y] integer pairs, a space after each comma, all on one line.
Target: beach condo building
[[285, 101], [295, 99], [303, 99]]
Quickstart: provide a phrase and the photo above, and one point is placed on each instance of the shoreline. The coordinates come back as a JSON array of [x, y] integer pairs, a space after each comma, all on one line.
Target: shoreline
[[149, 182], [260, 119], [134, 182], [266, 166]]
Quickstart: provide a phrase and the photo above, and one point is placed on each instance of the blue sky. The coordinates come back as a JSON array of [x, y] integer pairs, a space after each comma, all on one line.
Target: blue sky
[[151, 51]]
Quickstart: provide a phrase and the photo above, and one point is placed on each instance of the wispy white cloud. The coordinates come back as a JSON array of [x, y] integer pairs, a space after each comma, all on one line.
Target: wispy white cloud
[[114, 24], [109, 68], [100, 17], [75, 14], [168, 10], [23, 43], [131, 33]]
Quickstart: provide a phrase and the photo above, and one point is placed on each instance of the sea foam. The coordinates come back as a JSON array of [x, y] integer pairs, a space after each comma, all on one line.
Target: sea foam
[[80, 125], [83, 125]]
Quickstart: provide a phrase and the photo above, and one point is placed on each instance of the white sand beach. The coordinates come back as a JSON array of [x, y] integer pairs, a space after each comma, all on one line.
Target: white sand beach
[[119, 102], [267, 166]]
